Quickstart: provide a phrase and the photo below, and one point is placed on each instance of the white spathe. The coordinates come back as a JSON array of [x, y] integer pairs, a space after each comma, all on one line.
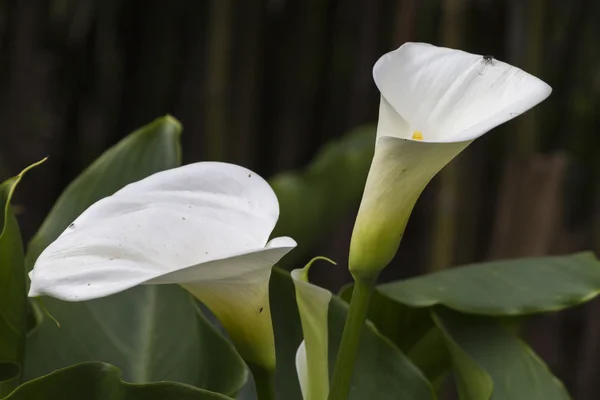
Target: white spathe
[[312, 354], [204, 226], [434, 102]]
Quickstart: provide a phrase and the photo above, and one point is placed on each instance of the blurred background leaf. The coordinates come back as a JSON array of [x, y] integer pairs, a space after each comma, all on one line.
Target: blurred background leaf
[[151, 333]]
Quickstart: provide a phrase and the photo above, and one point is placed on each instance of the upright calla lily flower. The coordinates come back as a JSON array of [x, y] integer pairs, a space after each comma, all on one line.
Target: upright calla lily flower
[[434, 102], [204, 226]]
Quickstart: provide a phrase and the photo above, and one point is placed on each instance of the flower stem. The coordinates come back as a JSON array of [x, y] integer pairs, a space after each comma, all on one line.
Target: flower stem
[[264, 381], [344, 364]]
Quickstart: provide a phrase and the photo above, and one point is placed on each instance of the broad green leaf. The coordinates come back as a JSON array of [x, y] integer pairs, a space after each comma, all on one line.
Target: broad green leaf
[[382, 371], [313, 200], [96, 380], [152, 333], [490, 363], [13, 297], [412, 330], [430, 355], [514, 288], [404, 325], [9, 377], [504, 288]]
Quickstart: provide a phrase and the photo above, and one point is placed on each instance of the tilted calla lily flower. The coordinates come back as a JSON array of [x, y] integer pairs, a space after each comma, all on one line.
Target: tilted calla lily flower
[[312, 355], [434, 102], [204, 226]]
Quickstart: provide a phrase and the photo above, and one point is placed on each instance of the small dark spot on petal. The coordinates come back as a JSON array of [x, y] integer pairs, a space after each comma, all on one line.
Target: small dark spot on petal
[[72, 225], [260, 310], [112, 258], [88, 284], [249, 175], [183, 218], [206, 252]]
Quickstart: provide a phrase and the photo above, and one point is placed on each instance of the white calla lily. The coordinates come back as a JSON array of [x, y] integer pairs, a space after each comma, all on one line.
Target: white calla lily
[[434, 102], [204, 226], [312, 363]]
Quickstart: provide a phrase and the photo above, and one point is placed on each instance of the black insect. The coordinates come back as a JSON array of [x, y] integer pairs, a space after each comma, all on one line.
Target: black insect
[[260, 310], [487, 60]]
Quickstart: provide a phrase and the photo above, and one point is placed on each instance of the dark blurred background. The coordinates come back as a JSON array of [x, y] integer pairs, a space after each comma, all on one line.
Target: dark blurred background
[[265, 83]]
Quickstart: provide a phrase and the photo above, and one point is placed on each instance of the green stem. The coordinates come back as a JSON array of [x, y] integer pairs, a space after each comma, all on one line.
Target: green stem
[[344, 365], [264, 381]]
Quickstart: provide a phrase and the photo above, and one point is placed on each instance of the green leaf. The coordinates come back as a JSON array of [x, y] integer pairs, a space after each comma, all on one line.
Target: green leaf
[[404, 325], [511, 288], [13, 297], [412, 330], [312, 201], [382, 371], [102, 381], [430, 355], [151, 333], [504, 288], [491, 363]]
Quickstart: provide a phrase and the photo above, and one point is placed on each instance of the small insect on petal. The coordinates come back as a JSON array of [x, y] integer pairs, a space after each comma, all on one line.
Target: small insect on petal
[[417, 135], [487, 60]]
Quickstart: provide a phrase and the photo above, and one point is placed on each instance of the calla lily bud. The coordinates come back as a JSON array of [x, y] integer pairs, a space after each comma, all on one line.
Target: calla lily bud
[[434, 102], [312, 359]]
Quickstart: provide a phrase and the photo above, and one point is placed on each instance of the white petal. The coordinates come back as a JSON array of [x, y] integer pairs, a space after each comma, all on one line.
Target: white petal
[[399, 172], [174, 220], [390, 123], [313, 305], [450, 95]]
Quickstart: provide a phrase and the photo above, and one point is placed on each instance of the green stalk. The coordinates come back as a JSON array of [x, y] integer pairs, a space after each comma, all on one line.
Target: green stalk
[[264, 381], [357, 314]]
